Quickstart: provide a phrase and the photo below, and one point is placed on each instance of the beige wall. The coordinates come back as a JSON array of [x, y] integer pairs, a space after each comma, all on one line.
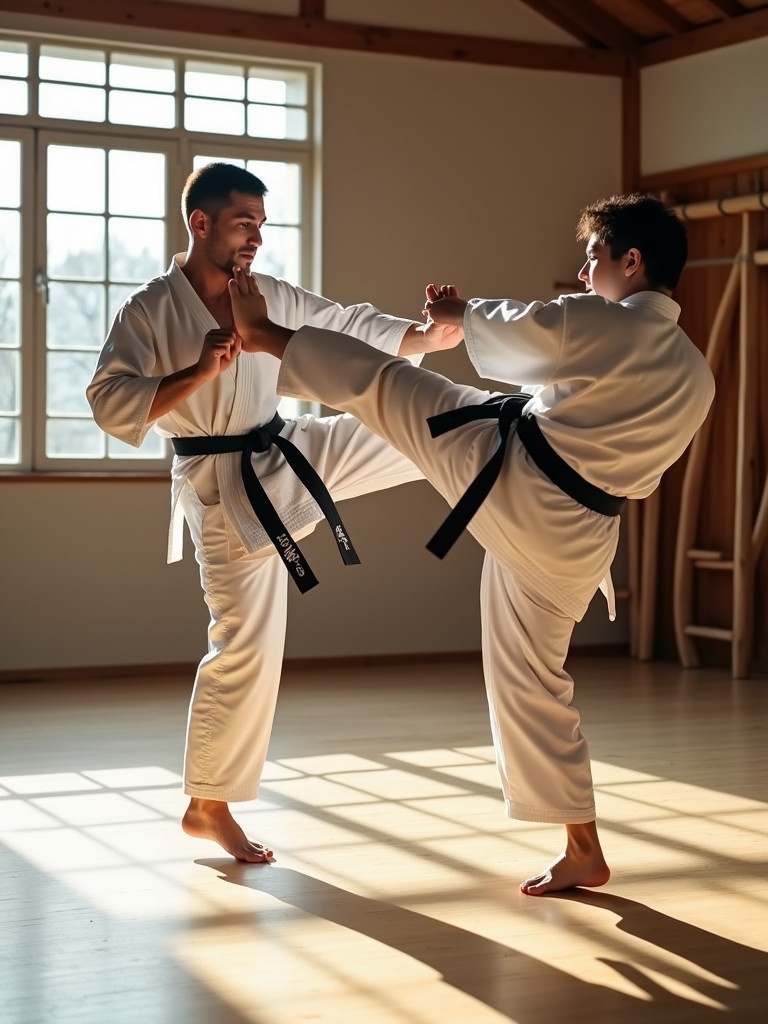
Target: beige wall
[[706, 108], [464, 173]]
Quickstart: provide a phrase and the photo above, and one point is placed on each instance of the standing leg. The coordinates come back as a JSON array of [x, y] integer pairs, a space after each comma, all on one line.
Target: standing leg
[[542, 756], [235, 693]]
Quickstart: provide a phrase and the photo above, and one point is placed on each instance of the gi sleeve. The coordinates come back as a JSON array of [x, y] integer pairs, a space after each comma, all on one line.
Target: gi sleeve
[[513, 342], [124, 382]]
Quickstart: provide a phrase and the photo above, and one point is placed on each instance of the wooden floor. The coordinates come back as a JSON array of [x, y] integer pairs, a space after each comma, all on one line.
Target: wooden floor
[[393, 899]]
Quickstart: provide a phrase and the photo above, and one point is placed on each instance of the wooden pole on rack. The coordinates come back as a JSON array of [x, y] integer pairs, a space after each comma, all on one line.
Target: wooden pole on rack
[[746, 460], [646, 610], [685, 551]]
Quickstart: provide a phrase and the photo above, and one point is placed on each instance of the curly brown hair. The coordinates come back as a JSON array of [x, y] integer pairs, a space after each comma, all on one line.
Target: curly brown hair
[[639, 220]]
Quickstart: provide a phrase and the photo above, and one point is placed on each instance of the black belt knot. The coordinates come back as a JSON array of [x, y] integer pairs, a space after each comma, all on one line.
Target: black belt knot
[[508, 409], [261, 439]]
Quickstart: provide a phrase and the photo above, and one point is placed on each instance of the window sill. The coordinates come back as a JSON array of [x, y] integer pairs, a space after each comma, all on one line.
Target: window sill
[[69, 476]]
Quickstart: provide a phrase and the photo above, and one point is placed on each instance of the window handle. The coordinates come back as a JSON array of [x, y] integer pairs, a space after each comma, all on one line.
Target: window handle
[[41, 284]]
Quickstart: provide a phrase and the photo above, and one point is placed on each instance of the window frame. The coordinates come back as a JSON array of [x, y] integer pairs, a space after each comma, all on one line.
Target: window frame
[[180, 146]]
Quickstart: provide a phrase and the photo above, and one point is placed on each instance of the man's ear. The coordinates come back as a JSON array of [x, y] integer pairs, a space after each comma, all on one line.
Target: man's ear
[[199, 223], [633, 260]]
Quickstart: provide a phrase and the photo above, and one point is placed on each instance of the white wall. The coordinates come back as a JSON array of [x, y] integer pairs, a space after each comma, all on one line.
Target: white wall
[[706, 108], [453, 172]]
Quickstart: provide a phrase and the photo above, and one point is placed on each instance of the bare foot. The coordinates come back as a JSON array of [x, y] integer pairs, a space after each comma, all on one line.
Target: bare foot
[[211, 819], [582, 863]]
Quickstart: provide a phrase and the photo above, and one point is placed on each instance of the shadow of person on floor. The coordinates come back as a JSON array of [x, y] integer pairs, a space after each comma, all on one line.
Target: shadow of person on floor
[[528, 989], [739, 971]]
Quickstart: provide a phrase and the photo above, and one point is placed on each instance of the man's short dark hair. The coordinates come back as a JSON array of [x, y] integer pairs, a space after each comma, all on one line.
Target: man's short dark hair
[[209, 188], [639, 221]]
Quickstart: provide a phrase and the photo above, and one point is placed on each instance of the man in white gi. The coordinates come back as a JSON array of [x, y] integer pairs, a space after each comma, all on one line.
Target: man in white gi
[[614, 392], [243, 479]]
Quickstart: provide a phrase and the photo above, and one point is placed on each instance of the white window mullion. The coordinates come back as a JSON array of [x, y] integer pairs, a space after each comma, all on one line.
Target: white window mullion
[[16, 297]]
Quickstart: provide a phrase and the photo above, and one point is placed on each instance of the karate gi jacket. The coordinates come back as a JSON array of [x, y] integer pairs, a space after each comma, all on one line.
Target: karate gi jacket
[[159, 330], [618, 390]]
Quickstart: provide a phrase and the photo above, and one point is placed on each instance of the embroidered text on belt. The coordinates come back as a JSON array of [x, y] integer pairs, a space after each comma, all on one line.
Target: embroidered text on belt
[[508, 409], [261, 439]]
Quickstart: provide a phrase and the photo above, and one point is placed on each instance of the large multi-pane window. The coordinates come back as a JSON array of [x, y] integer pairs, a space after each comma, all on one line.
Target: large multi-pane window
[[95, 145]]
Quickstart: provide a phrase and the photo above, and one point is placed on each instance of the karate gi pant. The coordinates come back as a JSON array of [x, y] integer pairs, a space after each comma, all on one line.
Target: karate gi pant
[[236, 686], [545, 557]]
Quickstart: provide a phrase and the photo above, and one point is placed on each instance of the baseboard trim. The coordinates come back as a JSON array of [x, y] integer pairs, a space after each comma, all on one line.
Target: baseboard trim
[[188, 668]]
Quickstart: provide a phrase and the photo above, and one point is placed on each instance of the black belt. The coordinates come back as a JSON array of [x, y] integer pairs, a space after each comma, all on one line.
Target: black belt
[[261, 439], [508, 409]]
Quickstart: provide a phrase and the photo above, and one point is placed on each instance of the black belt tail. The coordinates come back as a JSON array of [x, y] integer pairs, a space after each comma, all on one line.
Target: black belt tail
[[260, 440]]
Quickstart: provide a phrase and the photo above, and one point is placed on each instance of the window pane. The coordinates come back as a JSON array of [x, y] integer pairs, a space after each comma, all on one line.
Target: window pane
[[10, 243], [69, 373], [10, 297], [117, 293], [277, 122], [201, 160], [67, 64], [10, 367], [277, 86], [10, 446], [14, 97], [73, 102], [266, 90], [136, 71], [153, 447], [214, 116], [13, 59], [75, 246], [76, 179], [74, 439], [136, 249], [10, 173], [279, 255], [283, 200], [75, 315], [142, 108], [222, 81], [136, 183]]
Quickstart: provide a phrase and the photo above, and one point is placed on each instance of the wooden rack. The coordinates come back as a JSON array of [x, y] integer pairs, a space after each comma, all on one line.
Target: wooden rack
[[750, 531]]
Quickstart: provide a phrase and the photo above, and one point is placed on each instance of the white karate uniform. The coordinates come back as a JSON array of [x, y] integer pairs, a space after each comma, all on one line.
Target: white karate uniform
[[160, 329], [619, 391]]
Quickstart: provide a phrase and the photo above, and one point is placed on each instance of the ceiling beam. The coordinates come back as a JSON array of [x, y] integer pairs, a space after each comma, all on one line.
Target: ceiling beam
[[709, 37], [588, 23], [669, 15], [318, 32], [730, 8]]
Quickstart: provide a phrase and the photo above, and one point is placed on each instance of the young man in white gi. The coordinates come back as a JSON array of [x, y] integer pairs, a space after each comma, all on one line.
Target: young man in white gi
[[172, 359], [614, 393]]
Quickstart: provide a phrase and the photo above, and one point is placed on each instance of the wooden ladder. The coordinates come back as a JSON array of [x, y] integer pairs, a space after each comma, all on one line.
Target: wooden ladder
[[749, 532]]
